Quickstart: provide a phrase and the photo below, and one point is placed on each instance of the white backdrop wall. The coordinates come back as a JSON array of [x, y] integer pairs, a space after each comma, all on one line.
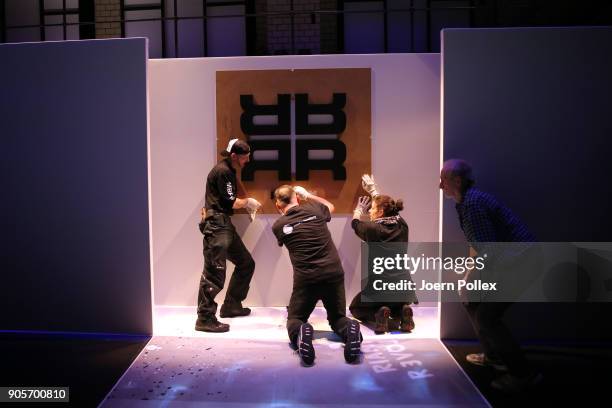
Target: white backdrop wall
[[405, 149]]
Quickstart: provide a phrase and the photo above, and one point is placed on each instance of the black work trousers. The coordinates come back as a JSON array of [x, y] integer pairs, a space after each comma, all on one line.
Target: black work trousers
[[495, 337], [366, 311], [221, 243], [304, 299]]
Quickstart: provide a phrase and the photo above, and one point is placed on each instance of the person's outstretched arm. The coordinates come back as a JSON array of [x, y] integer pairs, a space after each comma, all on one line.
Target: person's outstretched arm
[[304, 194]]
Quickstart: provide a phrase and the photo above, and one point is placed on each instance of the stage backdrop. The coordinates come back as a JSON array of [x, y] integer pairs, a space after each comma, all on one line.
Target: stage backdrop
[[530, 109], [324, 145], [75, 253], [405, 154]]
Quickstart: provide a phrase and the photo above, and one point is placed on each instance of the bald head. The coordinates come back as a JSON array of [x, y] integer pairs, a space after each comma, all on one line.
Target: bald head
[[459, 168], [284, 196], [455, 178]]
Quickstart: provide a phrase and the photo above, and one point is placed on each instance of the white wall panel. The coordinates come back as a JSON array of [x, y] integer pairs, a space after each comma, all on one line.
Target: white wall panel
[[406, 150]]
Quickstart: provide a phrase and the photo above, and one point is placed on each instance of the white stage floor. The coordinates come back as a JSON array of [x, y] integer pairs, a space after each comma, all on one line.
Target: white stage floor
[[267, 323], [253, 366]]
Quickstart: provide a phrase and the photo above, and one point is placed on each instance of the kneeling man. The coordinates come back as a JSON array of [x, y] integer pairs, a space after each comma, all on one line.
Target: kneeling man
[[317, 271]]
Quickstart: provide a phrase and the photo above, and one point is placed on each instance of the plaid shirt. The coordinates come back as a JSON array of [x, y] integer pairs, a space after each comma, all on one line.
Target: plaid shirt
[[483, 219]]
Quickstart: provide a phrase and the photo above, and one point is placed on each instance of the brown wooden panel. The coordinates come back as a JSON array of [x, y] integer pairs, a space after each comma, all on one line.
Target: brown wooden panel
[[319, 84]]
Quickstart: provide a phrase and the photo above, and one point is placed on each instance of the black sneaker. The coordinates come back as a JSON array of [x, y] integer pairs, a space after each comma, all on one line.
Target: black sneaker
[[211, 324], [234, 310], [352, 347], [382, 320], [407, 322], [304, 344]]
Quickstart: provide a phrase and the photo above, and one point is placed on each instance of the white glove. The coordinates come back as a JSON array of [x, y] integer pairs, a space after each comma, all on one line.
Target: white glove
[[301, 192], [252, 214], [362, 207], [252, 204], [369, 185]]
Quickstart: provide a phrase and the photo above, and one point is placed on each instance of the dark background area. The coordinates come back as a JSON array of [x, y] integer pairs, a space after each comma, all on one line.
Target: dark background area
[[569, 343]]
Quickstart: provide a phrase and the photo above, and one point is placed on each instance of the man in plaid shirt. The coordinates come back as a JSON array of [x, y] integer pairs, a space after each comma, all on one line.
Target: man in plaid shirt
[[484, 220]]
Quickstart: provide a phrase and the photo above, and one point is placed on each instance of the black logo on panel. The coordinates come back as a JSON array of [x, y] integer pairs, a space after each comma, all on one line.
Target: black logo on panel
[[282, 110]]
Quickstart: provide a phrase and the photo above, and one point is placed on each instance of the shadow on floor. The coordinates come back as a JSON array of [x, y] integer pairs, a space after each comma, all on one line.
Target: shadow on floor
[[572, 374], [89, 364]]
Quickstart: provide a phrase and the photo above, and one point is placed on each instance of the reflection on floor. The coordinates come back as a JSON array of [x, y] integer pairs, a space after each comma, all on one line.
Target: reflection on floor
[[253, 365]]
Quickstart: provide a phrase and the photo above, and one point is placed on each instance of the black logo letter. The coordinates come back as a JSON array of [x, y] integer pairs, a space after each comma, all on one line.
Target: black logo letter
[[303, 109], [282, 110]]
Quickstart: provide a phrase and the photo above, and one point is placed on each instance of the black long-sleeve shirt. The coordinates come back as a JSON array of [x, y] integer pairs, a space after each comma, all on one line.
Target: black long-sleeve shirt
[[387, 229]]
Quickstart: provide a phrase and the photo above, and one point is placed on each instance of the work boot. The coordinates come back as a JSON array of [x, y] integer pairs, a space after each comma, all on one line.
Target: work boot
[[304, 344], [352, 347], [234, 310], [407, 323], [382, 320], [211, 324]]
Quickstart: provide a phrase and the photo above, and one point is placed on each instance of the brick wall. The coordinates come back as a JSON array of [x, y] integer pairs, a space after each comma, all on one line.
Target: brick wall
[[107, 11], [306, 27], [261, 26], [329, 27], [313, 33], [278, 27]]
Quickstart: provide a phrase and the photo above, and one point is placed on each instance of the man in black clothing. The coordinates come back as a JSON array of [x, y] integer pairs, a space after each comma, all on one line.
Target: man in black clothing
[[222, 242], [317, 271]]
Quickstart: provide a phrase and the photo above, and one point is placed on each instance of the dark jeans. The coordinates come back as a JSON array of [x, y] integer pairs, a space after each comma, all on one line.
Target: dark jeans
[[514, 278], [222, 243], [365, 311], [497, 341], [303, 301]]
